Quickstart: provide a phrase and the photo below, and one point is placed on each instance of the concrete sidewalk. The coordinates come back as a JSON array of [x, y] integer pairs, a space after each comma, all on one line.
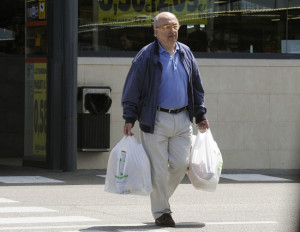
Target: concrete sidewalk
[[246, 200]]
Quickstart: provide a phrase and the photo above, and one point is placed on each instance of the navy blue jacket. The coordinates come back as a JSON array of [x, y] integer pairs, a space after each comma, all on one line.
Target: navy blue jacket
[[140, 92]]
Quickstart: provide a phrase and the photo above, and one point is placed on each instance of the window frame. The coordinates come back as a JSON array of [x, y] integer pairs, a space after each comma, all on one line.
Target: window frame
[[202, 55]]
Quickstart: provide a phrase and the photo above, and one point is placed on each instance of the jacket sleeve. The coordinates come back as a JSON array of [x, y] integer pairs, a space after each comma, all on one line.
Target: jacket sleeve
[[132, 92], [198, 92]]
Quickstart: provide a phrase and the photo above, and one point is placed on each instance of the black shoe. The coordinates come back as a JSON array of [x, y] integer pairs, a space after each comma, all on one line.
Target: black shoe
[[165, 220]]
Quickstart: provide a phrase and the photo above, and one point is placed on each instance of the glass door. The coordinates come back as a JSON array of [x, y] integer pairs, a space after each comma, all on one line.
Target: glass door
[[35, 81]]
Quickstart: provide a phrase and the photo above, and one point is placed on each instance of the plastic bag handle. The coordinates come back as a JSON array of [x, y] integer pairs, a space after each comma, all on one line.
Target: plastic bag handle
[[203, 131], [125, 142]]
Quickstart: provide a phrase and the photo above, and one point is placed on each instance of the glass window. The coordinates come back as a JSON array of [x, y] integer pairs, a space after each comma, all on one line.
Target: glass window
[[291, 43], [36, 30], [12, 32], [207, 26]]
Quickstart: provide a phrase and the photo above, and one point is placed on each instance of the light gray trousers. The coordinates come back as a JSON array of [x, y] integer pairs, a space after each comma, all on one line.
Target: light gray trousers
[[168, 150]]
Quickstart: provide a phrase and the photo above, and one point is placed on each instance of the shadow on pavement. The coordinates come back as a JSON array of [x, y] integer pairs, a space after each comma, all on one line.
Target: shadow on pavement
[[148, 226]]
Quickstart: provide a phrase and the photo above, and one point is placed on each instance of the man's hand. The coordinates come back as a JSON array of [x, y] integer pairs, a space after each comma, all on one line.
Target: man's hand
[[127, 129], [203, 125]]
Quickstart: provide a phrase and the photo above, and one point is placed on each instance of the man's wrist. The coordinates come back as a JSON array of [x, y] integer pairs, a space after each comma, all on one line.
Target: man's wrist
[[130, 120], [200, 117]]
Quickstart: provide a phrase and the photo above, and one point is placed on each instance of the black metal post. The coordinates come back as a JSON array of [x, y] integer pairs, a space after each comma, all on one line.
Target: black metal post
[[62, 84], [54, 75], [69, 83]]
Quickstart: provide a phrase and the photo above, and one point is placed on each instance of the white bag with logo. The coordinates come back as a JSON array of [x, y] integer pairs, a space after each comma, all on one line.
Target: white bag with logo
[[206, 162], [128, 170]]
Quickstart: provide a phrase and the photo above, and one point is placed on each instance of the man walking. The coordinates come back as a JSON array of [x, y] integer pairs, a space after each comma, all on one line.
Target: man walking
[[163, 91]]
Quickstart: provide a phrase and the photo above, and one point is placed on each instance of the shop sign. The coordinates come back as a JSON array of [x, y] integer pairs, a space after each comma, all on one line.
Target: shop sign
[[140, 12], [39, 108], [33, 12], [42, 9]]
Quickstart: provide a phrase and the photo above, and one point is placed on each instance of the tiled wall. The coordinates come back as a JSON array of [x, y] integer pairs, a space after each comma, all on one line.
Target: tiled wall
[[253, 107]]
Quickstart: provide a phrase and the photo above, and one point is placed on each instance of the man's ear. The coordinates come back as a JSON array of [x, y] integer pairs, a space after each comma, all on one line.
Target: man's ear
[[154, 31]]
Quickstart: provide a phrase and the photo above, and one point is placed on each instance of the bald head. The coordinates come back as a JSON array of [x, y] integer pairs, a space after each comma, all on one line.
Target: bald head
[[161, 16]]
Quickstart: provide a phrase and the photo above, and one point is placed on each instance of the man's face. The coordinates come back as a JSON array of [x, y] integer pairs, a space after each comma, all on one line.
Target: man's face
[[166, 37]]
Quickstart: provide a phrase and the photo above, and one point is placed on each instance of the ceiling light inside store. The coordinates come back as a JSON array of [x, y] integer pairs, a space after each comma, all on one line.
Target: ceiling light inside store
[[6, 34], [261, 15], [295, 18], [220, 2]]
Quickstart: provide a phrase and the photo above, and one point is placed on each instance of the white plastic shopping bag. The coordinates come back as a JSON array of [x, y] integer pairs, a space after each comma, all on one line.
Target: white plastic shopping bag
[[206, 162], [128, 170]]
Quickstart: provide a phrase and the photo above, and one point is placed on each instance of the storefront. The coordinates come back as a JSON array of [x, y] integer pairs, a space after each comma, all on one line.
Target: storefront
[[211, 27], [248, 53]]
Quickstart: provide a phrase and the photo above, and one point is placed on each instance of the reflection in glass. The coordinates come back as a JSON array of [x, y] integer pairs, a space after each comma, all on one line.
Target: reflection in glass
[[12, 33], [232, 26]]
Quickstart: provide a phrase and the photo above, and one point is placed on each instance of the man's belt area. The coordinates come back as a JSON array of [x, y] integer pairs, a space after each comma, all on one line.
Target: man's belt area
[[171, 111]]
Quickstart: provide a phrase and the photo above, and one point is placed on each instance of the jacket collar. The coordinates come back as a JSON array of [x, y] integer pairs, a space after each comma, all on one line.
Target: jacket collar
[[156, 51]]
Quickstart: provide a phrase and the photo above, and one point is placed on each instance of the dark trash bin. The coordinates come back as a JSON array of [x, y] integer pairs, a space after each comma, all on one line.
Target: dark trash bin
[[93, 118]]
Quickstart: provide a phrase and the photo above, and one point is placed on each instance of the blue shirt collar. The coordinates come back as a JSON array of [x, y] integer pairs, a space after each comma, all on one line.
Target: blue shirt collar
[[162, 50]]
